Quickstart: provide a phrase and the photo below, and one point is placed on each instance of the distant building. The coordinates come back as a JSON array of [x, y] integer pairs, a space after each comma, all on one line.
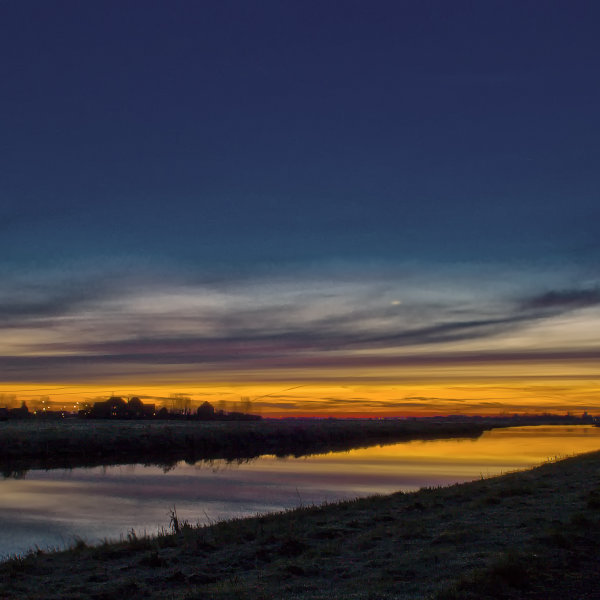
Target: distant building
[[14, 413], [117, 408], [19, 413], [138, 410]]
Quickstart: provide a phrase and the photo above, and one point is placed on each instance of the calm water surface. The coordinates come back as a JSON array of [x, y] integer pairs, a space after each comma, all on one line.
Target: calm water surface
[[53, 508]]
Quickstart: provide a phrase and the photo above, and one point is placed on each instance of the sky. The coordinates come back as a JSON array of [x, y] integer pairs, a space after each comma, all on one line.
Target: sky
[[329, 208]]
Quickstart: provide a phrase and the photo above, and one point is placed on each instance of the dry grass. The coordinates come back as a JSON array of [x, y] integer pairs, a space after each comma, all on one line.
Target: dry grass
[[522, 535]]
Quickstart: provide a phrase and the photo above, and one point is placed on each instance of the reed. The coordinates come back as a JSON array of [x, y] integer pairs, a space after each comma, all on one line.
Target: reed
[[539, 539]]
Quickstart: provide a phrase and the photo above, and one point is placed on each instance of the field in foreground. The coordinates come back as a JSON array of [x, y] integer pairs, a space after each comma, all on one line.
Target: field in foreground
[[533, 534]]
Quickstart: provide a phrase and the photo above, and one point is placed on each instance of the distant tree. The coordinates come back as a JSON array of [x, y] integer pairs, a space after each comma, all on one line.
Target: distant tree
[[206, 411], [8, 400], [135, 407], [163, 413], [180, 403], [245, 404]]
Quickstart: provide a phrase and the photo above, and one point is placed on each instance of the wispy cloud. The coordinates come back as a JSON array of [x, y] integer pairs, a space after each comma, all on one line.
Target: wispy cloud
[[563, 300], [97, 324]]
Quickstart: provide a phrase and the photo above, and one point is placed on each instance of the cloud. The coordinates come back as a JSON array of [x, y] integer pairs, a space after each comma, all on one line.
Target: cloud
[[563, 300], [101, 324], [305, 367], [294, 346], [17, 312], [428, 399]]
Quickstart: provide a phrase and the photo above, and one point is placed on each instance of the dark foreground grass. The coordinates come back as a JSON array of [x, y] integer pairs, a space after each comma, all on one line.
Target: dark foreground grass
[[533, 534]]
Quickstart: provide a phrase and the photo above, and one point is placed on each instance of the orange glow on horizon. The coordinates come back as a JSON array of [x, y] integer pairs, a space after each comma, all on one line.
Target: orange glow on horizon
[[357, 397]]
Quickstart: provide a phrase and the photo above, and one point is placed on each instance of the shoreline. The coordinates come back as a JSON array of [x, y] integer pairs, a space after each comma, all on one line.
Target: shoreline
[[523, 534], [74, 443], [70, 443]]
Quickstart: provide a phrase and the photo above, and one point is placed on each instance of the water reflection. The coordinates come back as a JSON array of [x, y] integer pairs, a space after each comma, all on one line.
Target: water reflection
[[50, 508]]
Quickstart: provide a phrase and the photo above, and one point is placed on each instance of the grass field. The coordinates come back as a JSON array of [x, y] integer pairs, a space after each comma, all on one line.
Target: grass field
[[74, 442], [533, 534]]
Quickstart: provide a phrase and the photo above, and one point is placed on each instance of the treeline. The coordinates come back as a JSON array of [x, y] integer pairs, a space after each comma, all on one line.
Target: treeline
[[14, 413], [117, 408]]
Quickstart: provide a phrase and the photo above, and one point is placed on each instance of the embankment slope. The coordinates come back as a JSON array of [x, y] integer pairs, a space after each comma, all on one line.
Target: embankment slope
[[532, 534]]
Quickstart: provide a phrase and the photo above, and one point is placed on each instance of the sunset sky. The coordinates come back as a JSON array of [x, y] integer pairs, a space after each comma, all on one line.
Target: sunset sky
[[331, 208]]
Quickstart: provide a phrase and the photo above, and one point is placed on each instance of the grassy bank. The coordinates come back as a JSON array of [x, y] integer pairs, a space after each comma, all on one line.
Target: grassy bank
[[533, 534], [73, 443]]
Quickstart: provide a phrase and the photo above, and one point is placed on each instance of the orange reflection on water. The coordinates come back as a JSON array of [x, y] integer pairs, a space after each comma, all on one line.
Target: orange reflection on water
[[51, 507], [494, 452]]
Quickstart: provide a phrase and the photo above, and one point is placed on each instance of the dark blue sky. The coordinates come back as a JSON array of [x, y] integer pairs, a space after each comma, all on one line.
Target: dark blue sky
[[276, 131], [439, 156]]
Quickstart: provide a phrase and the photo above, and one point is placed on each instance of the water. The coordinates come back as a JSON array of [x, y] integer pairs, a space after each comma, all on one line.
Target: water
[[51, 509]]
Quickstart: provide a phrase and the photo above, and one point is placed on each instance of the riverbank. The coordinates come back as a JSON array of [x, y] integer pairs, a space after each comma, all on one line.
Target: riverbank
[[73, 443], [532, 534]]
